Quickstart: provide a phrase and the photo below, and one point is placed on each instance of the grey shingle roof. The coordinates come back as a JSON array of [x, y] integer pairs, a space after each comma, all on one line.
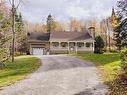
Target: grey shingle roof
[[38, 36], [59, 36], [69, 36]]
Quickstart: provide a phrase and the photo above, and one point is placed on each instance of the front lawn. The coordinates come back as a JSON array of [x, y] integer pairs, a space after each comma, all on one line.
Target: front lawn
[[109, 66], [16, 71]]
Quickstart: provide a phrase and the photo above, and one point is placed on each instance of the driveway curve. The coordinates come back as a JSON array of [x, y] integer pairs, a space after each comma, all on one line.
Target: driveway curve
[[60, 75]]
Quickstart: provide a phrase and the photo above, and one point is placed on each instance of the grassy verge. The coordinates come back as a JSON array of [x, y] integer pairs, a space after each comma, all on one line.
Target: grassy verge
[[16, 71], [109, 66]]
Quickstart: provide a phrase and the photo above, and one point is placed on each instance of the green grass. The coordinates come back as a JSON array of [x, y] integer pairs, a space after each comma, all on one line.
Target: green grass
[[109, 64], [22, 66]]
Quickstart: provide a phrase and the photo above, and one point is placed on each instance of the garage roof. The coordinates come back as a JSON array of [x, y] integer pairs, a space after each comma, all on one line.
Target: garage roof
[[38, 36]]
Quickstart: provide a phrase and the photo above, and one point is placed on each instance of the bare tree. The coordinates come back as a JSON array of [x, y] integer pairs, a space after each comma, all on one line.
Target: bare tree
[[14, 8]]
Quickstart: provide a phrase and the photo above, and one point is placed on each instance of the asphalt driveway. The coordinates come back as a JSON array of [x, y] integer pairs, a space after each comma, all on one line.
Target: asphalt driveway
[[60, 75]]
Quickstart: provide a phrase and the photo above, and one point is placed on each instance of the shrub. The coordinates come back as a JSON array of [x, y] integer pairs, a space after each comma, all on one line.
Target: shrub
[[99, 45], [124, 59]]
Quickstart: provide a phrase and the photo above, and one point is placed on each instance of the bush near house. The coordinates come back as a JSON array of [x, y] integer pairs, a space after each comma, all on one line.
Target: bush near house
[[99, 45], [16, 71]]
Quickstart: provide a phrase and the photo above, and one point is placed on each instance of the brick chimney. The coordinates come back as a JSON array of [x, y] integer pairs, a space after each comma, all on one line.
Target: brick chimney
[[92, 31]]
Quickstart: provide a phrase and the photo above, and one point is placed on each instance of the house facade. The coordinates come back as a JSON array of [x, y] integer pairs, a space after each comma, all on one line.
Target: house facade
[[63, 42]]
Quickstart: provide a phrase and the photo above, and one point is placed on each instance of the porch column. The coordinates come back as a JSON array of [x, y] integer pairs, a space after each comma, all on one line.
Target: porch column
[[93, 47], [59, 45], [50, 45], [31, 50], [68, 48], [85, 45], [76, 48]]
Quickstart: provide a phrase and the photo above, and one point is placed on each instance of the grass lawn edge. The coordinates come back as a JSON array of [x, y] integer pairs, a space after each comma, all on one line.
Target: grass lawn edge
[[114, 83], [25, 75]]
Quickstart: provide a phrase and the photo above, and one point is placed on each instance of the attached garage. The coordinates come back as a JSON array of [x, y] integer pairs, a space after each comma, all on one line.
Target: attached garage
[[38, 51], [38, 43]]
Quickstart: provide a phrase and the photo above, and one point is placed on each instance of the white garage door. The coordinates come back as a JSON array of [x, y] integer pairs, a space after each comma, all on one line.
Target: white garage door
[[38, 51]]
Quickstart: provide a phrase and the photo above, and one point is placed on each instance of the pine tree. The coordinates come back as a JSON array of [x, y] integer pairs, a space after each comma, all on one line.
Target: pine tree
[[99, 45], [120, 28], [23, 46], [49, 23], [20, 23], [21, 38]]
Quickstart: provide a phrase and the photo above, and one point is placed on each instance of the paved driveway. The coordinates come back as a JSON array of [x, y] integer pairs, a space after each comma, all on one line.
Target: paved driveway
[[60, 75]]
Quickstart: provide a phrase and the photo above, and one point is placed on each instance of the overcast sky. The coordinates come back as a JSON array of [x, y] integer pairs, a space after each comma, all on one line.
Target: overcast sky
[[36, 11]]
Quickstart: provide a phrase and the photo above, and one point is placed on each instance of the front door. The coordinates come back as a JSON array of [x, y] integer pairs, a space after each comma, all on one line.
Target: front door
[[72, 48]]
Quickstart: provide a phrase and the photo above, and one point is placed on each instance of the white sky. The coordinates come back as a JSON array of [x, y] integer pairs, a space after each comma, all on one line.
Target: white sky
[[36, 11]]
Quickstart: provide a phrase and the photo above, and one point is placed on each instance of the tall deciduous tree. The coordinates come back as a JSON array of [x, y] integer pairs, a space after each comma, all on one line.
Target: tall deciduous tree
[[13, 12], [5, 34], [75, 25]]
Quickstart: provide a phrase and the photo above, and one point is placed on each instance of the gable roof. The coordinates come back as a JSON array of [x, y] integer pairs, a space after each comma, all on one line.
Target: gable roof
[[69, 36], [59, 36]]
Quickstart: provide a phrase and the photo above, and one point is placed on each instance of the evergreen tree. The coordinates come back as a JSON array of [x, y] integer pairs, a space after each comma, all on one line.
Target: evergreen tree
[[19, 23], [21, 38], [23, 46], [120, 29], [49, 23], [99, 45]]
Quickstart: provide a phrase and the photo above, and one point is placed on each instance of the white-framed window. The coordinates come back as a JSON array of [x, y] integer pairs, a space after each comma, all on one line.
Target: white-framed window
[[64, 44], [80, 44], [89, 44], [55, 44]]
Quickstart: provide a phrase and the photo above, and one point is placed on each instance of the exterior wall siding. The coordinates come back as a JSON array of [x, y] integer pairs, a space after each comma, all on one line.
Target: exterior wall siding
[[59, 52], [84, 52], [49, 49]]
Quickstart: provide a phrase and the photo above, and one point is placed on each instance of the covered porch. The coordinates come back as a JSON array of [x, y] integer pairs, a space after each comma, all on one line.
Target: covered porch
[[72, 47]]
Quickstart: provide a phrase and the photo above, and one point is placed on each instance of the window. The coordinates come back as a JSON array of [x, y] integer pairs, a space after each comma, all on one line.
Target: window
[[88, 45], [64, 44], [80, 45], [55, 44]]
